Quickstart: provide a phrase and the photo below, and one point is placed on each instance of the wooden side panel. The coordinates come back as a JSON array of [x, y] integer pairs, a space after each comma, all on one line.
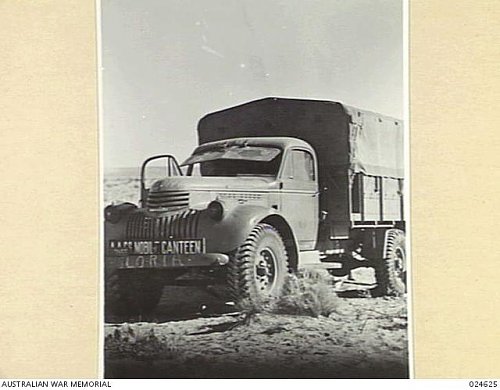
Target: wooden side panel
[[371, 198], [391, 199], [376, 199]]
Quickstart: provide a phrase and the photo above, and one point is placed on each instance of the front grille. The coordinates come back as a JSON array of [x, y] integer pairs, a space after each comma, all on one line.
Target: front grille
[[183, 225], [167, 199]]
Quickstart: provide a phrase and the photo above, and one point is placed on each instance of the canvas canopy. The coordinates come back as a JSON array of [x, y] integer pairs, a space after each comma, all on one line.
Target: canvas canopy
[[376, 144], [344, 137]]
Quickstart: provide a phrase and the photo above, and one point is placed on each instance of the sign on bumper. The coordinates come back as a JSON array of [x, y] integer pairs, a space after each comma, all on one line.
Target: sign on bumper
[[160, 247]]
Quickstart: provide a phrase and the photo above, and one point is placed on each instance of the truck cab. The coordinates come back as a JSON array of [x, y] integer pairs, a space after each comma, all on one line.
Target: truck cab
[[277, 174]]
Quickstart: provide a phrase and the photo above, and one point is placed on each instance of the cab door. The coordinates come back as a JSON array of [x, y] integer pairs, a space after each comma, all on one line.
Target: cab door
[[299, 196]]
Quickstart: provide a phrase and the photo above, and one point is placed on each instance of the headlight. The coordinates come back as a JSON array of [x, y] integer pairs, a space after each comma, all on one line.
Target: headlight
[[113, 213], [215, 210]]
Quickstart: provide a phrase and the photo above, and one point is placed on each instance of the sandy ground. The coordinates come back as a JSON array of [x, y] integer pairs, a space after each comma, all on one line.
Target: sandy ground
[[362, 338], [193, 334], [121, 189]]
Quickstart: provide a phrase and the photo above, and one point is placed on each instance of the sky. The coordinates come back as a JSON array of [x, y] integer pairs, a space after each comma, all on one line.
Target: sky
[[167, 63]]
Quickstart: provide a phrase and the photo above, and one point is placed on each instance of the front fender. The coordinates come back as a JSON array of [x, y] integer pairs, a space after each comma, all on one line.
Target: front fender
[[115, 220], [231, 231]]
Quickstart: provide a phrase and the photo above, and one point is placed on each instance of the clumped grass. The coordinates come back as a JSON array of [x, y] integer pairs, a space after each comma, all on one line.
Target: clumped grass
[[125, 342], [254, 306], [308, 293]]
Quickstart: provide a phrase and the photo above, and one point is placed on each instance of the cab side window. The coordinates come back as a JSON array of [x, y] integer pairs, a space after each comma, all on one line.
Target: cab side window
[[299, 166], [303, 166]]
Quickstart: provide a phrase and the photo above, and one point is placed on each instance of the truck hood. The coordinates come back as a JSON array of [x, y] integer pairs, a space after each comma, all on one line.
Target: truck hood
[[208, 183]]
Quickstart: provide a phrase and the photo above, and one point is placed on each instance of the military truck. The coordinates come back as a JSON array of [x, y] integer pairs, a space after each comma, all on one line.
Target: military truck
[[276, 185]]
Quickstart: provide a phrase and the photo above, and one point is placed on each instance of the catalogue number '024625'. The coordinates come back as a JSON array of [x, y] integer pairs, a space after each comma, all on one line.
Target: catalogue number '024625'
[[483, 383]]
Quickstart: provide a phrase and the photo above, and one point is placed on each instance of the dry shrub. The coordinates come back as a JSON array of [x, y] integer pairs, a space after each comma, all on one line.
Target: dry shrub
[[308, 293], [254, 306], [125, 342], [305, 293]]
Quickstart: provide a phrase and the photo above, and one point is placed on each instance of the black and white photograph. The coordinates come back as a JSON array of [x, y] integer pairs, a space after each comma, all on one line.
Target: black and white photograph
[[254, 160]]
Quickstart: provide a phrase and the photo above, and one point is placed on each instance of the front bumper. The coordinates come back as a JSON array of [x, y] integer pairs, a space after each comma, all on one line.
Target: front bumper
[[165, 262]]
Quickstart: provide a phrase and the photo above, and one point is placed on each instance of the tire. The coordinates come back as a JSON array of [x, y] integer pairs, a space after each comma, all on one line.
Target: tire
[[390, 272], [131, 294], [259, 267]]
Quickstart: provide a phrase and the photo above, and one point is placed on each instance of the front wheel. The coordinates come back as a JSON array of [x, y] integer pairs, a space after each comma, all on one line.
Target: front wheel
[[390, 272], [260, 266]]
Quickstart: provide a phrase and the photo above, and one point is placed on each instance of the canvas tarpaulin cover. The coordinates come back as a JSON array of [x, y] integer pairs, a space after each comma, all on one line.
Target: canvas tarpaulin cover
[[344, 138], [376, 144]]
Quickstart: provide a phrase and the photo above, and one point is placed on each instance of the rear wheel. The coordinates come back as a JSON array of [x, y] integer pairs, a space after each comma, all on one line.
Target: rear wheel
[[131, 294], [390, 272], [260, 266]]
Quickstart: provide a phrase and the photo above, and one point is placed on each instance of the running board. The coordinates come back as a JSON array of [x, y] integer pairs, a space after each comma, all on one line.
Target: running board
[[325, 265], [312, 260]]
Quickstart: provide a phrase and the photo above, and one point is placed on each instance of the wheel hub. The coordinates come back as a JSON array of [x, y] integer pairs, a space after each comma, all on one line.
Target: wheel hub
[[265, 270]]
